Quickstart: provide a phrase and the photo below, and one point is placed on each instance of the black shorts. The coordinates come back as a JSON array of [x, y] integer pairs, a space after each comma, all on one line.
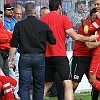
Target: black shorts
[[80, 66], [59, 64]]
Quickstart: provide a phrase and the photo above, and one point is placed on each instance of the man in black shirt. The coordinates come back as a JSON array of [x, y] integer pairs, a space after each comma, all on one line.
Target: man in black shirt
[[31, 35]]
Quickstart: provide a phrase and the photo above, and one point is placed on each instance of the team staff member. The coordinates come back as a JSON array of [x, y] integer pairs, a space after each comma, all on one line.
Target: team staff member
[[56, 59], [57, 86], [31, 35], [82, 54]]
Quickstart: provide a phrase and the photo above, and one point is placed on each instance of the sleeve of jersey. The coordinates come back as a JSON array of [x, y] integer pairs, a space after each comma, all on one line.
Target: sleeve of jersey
[[67, 23], [95, 25]]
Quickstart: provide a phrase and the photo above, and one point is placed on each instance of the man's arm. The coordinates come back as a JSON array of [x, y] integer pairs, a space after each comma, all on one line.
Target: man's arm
[[91, 45], [11, 55], [98, 14], [80, 37]]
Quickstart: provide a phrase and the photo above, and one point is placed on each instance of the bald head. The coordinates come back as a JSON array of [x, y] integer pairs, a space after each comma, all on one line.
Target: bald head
[[97, 5], [17, 13], [44, 11]]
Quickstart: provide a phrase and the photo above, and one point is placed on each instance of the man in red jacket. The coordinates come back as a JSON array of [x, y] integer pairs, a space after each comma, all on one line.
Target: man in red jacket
[[7, 84], [5, 38]]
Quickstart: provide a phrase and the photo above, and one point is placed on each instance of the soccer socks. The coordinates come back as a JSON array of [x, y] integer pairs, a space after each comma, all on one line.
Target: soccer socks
[[96, 84]]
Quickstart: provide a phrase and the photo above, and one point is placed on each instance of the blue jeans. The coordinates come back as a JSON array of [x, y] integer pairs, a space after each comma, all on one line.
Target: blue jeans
[[31, 64]]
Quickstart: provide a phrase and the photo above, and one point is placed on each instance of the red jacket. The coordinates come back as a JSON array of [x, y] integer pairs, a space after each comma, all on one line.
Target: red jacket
[[5, 38], [7, 86]]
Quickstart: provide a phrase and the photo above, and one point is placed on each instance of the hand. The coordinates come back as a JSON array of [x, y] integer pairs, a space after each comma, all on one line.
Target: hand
[[11, 64], [91, 45], [93, 38], [10, 31], [92, 78], [85, 18], [98, 15], [88, 44]]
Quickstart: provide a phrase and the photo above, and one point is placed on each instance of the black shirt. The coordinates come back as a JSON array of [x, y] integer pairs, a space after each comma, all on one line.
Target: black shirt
[[31, 34]]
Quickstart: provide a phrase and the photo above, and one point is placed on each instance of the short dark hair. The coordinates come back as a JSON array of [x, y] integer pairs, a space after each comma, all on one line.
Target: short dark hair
[[44, 8], [53, 4], [1, 12], [93, 11]]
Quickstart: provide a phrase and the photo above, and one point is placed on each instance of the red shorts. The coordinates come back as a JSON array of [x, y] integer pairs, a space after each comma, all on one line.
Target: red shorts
[[95, 66]]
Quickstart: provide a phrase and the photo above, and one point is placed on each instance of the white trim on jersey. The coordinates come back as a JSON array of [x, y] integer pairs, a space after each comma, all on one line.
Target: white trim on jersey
[[96, 25]]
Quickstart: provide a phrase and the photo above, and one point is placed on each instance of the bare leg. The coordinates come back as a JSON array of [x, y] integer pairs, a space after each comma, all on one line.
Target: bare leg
[[68, 90], [47, 86]]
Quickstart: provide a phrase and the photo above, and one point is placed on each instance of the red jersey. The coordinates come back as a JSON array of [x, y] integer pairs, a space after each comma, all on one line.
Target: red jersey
[[5, 38], [58, 24], [95, 26], [80, 49]]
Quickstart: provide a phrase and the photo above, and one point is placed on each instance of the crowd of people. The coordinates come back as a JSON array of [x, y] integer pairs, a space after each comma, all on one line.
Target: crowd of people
[[33, 49]]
